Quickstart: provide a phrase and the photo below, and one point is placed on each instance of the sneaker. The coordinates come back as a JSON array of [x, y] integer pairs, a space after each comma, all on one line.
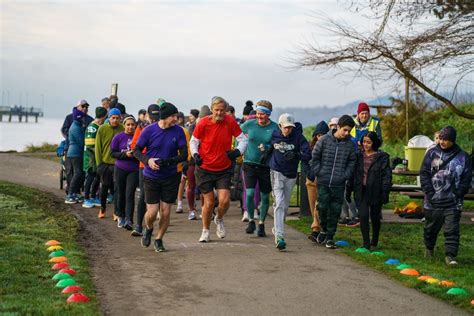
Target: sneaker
[[204, 236], [146, 239], [96, 202], [110, 198], [450, 261], [353, 223], [250, 227], [115, 217], [70, 199], [192, 216], [158, 245], [79, 198], [120, 222], [101, 213], [313, 237], [220, 231], [429, 253], [261, 230], [137, 231], [321, 239], [245, 217], [128, 225], [88, 203], [330, 244], [280, 243], [179, 209], [343, 221]]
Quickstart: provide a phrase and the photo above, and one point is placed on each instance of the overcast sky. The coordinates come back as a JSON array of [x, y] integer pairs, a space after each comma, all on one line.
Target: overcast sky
[[183, 51]]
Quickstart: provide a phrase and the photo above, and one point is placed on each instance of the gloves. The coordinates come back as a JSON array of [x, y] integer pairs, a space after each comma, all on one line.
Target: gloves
[[197, 159], [233, 154], [291, 155]]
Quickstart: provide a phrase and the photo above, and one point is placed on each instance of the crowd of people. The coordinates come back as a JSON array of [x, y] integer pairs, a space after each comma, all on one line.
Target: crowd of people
[[215, 157]]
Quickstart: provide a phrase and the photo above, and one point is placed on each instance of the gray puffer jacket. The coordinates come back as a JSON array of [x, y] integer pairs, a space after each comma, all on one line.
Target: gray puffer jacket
[[333, 160]]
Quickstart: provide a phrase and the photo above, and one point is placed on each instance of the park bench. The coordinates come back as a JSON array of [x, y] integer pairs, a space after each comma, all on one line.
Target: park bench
[[421, 195]]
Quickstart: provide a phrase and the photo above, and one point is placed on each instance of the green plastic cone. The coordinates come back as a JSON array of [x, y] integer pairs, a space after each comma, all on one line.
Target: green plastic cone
[[66, 282], [403, 266], [378, 253], [61, 276], [362, 250], [58, 253], [457, 291]]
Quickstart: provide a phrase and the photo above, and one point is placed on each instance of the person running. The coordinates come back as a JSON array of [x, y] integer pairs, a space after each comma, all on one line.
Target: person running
[[166, 146], [125, 173], [182, 167], [211, 148], [445, 177], [92, 183], [75, 155], [371, 185], [288, 148], [332, 163], [259, 133], [311, 185], [365, 123], [103, 158], [153, 116]]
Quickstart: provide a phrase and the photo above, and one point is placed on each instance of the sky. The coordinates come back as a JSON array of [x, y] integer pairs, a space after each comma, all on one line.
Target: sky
[[183, 51]]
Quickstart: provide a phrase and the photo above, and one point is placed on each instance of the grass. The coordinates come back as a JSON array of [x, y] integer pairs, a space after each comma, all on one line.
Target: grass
[[405, 242], [44, 148], [29, 218]]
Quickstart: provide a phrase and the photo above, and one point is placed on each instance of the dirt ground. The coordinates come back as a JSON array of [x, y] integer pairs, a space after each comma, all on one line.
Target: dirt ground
[[241, 274]]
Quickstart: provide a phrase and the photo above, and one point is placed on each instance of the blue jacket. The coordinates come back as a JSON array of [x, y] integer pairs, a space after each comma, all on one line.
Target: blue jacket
[[444, 188], [76, 140], [295, 142], [68, 120]]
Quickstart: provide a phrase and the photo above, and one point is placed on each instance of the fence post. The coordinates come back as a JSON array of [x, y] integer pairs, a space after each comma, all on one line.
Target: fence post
[[304, 203]]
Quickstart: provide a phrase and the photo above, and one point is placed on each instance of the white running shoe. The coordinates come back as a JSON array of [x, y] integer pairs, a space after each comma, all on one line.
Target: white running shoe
[[220, 232], [204, 236], [245, 217], [192, 216]]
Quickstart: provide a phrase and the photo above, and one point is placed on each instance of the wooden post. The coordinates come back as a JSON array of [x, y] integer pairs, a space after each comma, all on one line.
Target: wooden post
[[407, 104], [114, 90]]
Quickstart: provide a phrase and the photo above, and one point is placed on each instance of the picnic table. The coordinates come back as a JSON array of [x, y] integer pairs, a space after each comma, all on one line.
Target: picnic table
[[405, 187]]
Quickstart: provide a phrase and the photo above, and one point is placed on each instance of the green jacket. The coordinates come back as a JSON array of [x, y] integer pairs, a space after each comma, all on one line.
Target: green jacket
[[103, 140]]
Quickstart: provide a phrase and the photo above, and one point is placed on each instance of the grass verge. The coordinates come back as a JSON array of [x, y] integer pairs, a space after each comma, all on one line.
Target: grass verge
[[405, 242], [29, 218]]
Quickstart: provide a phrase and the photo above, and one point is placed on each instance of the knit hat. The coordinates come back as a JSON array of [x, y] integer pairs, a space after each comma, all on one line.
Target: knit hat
[[100, 112], [321, 129], [142, 111], [205, 111], [166, 110], [448, 133], [194, 113], [154, 112], [333, 121], [114, 111], [121, 107], [77, 114], [362, 107], [248, 107], [346, 120]]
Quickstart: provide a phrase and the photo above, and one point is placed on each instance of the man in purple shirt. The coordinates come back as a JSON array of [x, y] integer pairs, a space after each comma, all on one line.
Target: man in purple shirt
[[166, 146]]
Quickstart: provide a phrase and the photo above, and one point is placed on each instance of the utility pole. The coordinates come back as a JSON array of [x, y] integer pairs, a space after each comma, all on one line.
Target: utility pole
[[114, 89], [407, 103]]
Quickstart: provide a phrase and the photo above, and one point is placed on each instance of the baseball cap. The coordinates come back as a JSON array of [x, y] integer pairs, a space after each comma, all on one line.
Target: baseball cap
[[286, 120], [154, 111], [82, 103]]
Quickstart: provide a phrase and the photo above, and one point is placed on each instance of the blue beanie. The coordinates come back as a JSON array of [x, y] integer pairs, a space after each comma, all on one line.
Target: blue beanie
[[114, 111]]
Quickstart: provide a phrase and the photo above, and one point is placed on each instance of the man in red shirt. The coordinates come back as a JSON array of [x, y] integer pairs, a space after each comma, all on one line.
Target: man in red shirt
[[211, 148]]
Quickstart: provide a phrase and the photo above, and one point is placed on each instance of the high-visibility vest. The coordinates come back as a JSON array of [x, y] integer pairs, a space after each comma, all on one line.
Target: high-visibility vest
[[369, 127]]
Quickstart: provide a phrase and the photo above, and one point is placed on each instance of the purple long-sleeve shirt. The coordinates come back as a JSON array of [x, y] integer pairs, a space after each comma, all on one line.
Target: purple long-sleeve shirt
[[121, 144]]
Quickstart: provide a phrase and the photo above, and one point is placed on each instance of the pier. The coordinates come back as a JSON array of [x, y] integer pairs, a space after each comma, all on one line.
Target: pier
[[21, 112]]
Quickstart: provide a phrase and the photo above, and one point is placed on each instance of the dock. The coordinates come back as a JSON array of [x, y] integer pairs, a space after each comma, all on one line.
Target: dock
[[21, 112]]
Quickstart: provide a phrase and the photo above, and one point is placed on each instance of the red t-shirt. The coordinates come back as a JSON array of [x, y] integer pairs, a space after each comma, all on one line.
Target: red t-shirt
[[216, 139]]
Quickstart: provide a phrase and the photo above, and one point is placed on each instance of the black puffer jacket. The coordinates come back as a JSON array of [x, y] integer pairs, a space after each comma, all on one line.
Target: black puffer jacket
[[379, 179], [333, 160]]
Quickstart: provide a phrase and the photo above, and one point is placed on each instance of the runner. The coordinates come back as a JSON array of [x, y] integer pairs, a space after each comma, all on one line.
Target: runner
[[289, 146], [166, 146], [92, 180], [125, 173], [103, 159], [259, 133], [211, 145], [182, 166]]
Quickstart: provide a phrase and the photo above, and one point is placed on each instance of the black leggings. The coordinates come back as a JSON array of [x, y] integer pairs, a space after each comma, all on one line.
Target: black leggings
[[367, 210], [126, 182], [141, 206], [78, 175], [92, 184], [106, 175]]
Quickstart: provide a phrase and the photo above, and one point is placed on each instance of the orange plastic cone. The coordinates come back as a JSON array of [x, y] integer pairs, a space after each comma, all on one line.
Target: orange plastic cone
[[52, 243], [411, 272], [447, 283], [58, 259]]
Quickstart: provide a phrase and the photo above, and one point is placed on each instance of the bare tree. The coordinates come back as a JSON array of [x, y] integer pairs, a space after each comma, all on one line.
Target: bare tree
[[411, 41]]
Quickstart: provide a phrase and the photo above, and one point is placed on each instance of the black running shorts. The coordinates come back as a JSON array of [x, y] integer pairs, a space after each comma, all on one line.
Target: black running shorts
[[254, 173], [165, 190], [207, 181]]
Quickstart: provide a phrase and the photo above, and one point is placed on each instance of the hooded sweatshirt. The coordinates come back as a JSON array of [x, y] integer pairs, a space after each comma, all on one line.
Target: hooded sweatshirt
[[294, 142]]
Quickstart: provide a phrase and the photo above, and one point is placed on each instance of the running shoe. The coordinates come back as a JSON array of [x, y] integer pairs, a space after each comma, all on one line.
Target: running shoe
[[88, 203], [110, 198], [179, 209], [321, 239], [101, 213], [280, 243], [330, 244], [128, 225], [343, 221], [70, 199], [137, 231], [146, 239], [261, 230], [220, 231], [313, 237], [96, 202], [353, 223], [250, 227], [204, 236], [245, 217], [192, 216], [120, 222], [79, 198], [158, 245], [450, 261]]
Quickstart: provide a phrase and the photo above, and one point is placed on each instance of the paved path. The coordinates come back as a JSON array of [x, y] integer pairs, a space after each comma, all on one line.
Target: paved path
[[240, 274]]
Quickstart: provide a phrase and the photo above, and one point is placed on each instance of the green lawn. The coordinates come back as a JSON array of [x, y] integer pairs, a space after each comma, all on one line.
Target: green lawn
[[405, 242], [29, 218]]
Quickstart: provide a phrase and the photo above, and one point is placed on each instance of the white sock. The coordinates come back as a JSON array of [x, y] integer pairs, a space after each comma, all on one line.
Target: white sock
[[180, 204]]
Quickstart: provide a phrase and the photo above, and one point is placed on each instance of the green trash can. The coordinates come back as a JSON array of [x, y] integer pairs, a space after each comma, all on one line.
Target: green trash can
[[415, 156]]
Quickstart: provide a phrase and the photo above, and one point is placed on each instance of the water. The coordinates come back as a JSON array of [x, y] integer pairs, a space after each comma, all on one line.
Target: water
[[16, 136]]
